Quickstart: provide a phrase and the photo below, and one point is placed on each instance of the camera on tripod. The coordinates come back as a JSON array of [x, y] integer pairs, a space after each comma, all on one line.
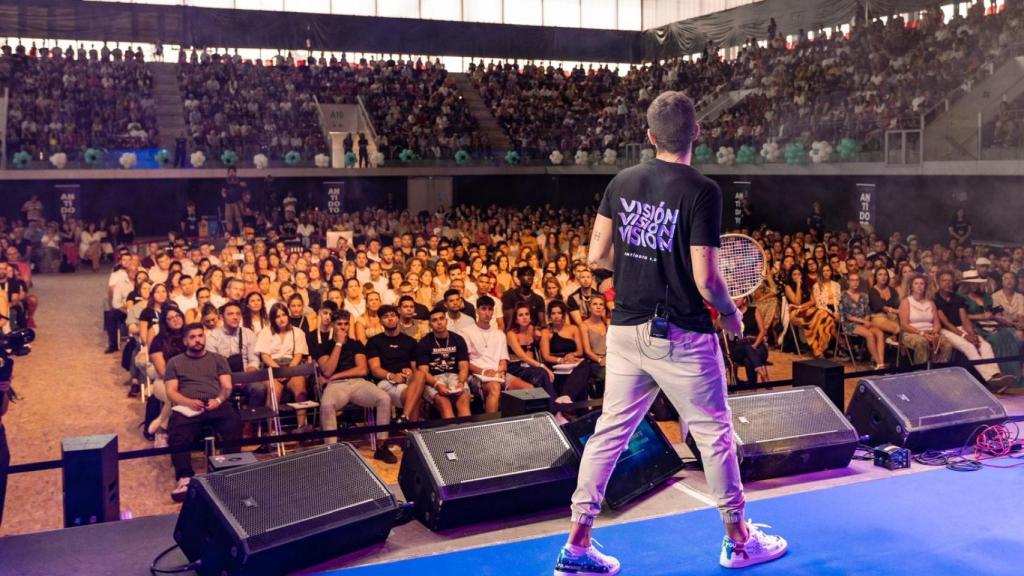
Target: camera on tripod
[[14, 344]]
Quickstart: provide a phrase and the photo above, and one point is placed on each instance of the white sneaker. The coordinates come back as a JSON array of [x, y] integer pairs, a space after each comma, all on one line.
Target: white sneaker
[[585, 562], [160, 439], [758, 548], [181, 490]]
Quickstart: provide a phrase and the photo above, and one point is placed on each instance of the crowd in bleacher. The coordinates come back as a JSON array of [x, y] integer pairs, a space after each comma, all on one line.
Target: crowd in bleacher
[[68, 100], [249, 107]]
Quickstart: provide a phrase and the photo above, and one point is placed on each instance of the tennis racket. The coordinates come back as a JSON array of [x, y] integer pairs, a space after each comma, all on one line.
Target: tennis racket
[[741, 263]]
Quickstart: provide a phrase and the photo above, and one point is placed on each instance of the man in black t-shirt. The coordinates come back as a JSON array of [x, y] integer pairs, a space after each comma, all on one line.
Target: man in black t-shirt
[[523, 295], [958, 329], [442, 358], [658, 228], [391, 355], [232, 194], [343, 361], [579, 301]]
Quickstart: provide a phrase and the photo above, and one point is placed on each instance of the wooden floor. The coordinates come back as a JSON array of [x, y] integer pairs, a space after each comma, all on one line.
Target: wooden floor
[[70, 388]]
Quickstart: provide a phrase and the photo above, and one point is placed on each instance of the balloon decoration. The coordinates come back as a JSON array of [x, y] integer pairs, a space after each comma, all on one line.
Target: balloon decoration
[[407, 155], [350, 159], [377, 159], [556, 158], [848, 149], [795, 153], [647, 154], [512, 157], [93, 156], [726, 156], [746, 155], [821, 151], [610, 156], [322, 160], [461, 157], [229, 158], [581, 158], [292, 157], [703, 154], [21, 159], [197, 159], [260, 161], [163, 157], [59, 160], [771, 152], [128, 160]]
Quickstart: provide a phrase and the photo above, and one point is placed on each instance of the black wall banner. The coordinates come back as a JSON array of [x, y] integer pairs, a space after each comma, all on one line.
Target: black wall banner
[[741, 195], [334, 197], [69, 198], [867, 202]]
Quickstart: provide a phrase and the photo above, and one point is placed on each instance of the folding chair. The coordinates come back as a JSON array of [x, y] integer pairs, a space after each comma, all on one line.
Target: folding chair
[[306, 369], [239, 381], [789, 328], [845, 338]]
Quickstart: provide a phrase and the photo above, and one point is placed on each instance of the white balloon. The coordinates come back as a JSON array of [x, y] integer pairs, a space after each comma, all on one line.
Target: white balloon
[[582, 158], [377, 159], [322, 160], [128, 160], [610, 156], [197, 159], [556, 158], [260, 161], [726, 155], [59, 160]]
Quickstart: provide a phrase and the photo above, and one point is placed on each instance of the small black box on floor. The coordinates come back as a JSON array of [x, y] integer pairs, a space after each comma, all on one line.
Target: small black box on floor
[[528, 401], [892, 457], [924, 410], [91, 485], [824, 374], [279, 516], [788, 432], [226, 461]]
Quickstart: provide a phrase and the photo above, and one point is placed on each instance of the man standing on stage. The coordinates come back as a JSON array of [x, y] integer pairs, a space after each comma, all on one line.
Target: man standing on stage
[[658, 228]]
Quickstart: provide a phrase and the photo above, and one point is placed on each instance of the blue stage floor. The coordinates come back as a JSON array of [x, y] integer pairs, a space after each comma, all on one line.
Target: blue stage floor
[[941, 522]]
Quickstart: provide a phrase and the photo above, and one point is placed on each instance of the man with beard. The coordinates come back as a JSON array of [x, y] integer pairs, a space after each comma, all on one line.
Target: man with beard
[[523, 296], [391, 355]]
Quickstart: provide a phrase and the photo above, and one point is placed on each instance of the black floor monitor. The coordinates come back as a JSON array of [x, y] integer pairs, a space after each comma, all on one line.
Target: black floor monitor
[[646, 462]]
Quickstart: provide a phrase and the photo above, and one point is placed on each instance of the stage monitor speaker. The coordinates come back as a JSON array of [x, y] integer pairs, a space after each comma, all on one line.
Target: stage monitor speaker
[[90, 475], [469, 473], [648, 460], [526, 401], [788, 432], [926, 410], [281, 515]]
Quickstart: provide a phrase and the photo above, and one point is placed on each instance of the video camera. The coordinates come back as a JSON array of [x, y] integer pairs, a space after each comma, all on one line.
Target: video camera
[[14, 344]]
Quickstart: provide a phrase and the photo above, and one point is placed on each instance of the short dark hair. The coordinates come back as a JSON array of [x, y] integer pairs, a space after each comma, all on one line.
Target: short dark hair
[[387, 309], [190, 327], [438, 310], [524, 271], [231, 304], [672, 120], [341, 315], [329, 305], [451, 292], [405, 299], [484, 301]]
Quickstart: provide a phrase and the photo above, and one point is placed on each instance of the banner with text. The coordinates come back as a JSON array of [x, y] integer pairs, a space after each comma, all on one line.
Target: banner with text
[[867, 203], [334, 197], [341, 117], [740, 212], [69, 197]]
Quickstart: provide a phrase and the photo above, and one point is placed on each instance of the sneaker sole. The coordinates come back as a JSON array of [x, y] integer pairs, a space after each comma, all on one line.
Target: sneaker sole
[[755, 561], [564, 573]]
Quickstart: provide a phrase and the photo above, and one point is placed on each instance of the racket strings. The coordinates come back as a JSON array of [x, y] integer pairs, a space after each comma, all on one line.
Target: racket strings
[[741, 263]]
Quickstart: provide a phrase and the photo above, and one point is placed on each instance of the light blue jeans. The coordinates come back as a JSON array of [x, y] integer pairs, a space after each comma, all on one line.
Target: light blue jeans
[[688, 368]]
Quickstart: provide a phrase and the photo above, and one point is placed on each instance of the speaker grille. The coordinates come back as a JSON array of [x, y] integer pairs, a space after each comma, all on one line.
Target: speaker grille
[[937, 397], [788, 419], [298, 488], [503, 447]]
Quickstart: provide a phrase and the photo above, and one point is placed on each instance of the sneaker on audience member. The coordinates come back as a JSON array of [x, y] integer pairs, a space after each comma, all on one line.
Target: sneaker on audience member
[[160, 439], [384, 455], [758, 548], [181, 490]]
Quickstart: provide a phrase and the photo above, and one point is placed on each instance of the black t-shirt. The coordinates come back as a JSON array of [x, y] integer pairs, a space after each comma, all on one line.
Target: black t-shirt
[[442, 355], [13, 286], [347, 357], [396, 353], [578, 302], [513, 299], [234, 191], [951, 308], [149, 315], [321, 348], [658, 210], [169, 345], [190, 225]]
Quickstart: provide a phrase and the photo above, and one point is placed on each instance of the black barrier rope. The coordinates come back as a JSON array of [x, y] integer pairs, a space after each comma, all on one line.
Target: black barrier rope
[[422, 424]]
